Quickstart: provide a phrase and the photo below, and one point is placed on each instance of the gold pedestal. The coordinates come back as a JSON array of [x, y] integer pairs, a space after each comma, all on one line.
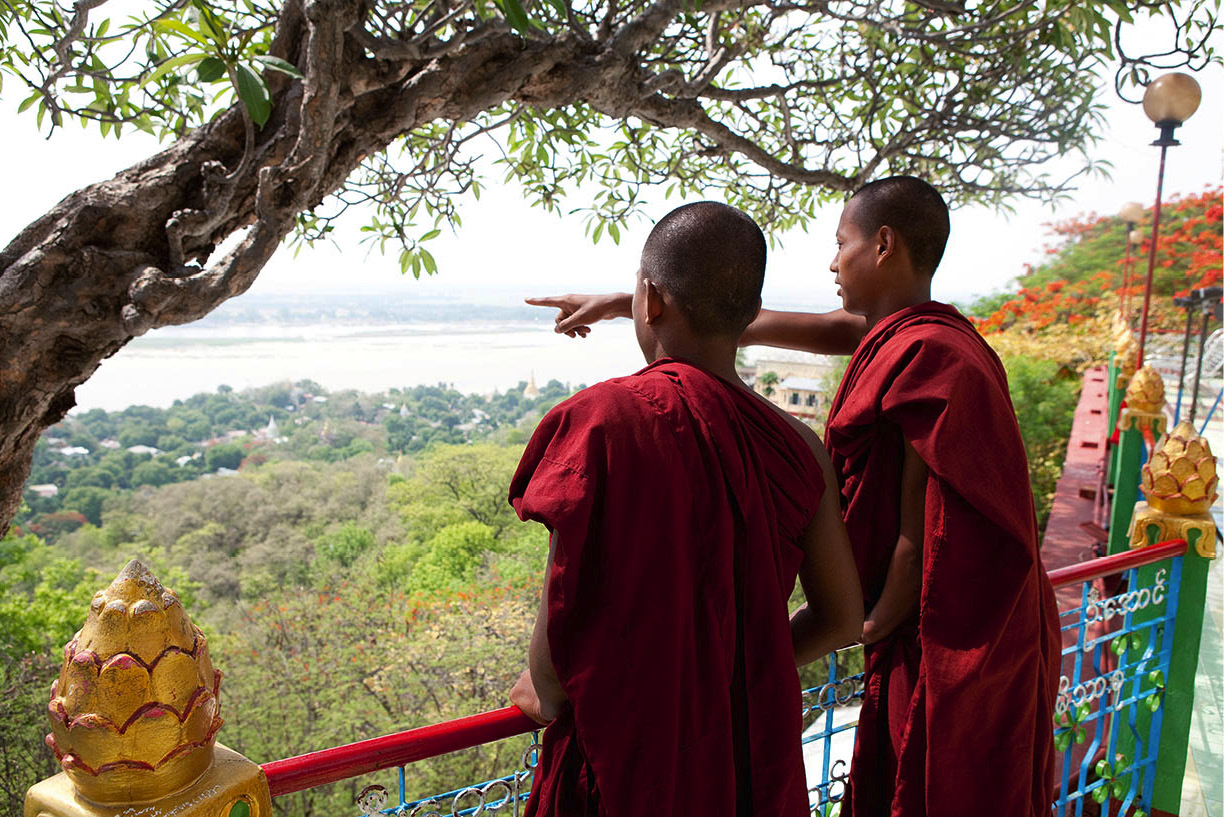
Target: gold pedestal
[[1143, 420], [1149, 526], [232, 787]]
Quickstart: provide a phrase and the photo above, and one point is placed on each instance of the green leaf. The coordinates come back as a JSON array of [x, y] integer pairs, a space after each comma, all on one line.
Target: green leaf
[[431, 266], [240, 809], [277, 64], [559, 5], [1099, 794], [210, 23], [430, 236], [210, 69], [254, 94], [1103, 769], [28, 101], [1153, 703], [1081, 734], [1118, 646], [1082, 712], [1062, 741], [175, 62], [180, 28], [515, 16]]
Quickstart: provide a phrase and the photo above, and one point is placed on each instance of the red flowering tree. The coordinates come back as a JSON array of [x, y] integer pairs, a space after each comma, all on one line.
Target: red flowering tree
[[1086, 275]]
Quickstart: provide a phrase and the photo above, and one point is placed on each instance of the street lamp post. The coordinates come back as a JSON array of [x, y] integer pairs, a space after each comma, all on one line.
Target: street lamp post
[[1169, 101], [1131, 214]]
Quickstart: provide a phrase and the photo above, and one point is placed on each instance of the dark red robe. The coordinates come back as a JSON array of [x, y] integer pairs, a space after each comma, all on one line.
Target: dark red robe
[[676, 501], [958, 707]]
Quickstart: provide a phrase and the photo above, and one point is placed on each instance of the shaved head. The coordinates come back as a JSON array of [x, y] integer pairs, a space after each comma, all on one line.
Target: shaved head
[[711, 259], [913, 209]]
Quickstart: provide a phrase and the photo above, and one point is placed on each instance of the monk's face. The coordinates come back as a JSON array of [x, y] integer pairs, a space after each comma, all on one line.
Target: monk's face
[[856, 266]]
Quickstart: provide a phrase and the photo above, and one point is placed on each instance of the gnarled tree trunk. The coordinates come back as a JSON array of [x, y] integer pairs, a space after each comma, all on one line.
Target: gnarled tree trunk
[[118, 258]]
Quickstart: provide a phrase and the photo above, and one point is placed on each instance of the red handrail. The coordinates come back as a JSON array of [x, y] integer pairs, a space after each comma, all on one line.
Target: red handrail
[[341, 762], [1096, 568]]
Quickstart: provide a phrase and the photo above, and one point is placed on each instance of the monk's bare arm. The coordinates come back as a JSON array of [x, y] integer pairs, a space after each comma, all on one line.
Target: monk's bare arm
[[538, 692], [576, 313], [833, 614], [830, 333], [903, 583], [823, 333]]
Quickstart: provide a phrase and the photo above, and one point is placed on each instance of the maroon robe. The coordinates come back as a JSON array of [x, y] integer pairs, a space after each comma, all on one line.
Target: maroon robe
[[676, 501], [957, 718]]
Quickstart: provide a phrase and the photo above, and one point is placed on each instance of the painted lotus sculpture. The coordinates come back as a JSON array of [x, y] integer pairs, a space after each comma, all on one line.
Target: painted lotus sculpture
[[1180, 478], [134, 712], [1127, 356], [1146, 391]]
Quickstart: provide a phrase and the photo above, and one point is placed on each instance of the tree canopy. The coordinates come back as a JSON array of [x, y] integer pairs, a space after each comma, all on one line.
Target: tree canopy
[[282, 115]]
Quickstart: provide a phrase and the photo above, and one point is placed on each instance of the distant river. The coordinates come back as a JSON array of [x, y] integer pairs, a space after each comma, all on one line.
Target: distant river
[[477, 356]]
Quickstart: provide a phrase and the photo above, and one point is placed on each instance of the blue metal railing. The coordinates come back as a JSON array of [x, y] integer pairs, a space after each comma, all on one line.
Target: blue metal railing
[[1109, 707]]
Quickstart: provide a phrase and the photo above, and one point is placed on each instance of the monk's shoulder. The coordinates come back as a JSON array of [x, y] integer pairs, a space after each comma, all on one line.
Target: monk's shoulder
[[954, 346], [610, 403], [806, 433]]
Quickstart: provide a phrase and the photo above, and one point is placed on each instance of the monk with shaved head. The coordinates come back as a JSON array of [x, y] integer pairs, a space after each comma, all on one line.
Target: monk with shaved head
[[960, 630], [681, 508]]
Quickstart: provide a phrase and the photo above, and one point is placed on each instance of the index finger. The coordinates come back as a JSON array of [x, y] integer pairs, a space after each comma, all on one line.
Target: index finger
[[552, 300]]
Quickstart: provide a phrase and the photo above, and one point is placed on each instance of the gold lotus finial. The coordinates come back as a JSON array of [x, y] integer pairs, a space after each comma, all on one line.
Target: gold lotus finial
[[1146, 391], [134, 712], [1180, 478], [1127, 357]]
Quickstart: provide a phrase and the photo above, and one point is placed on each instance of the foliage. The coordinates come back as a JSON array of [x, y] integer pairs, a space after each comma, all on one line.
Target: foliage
[[1044, 393], [1085, 274], [701, 112], [229, 430], [24, 759]]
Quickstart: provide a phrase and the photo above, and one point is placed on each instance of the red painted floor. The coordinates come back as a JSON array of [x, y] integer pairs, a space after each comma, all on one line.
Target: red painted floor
[[1066, 542]]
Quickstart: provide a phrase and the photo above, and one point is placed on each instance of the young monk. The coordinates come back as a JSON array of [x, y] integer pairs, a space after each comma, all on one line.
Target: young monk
[[681, 507], [961, 630]]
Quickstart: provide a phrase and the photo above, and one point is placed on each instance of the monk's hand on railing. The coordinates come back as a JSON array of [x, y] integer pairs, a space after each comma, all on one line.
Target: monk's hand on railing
[[576, 313], [524, 696]]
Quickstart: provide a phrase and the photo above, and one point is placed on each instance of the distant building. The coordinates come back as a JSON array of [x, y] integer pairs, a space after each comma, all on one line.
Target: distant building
[[531, 391], [45, 491], [798, 382], [144, 449], [269, 433], [74, 451], [111, 443], [800, 396]]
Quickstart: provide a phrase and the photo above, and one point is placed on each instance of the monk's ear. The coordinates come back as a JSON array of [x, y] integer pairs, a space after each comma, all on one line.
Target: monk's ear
[[886, 244], [654, 301]]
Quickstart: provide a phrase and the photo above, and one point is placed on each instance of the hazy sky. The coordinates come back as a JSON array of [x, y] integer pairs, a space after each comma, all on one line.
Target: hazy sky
[[507, 249]]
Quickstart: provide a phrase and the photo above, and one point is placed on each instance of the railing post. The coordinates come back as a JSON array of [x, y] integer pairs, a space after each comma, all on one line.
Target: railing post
[[1143, 416], [135, 713], [1122, 364], [1180, 484]]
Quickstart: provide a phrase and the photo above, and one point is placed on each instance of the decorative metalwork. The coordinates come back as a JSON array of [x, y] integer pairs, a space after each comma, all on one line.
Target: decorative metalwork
[[1098, 609], [1110, 701], [1086, 692], [829, 739]]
